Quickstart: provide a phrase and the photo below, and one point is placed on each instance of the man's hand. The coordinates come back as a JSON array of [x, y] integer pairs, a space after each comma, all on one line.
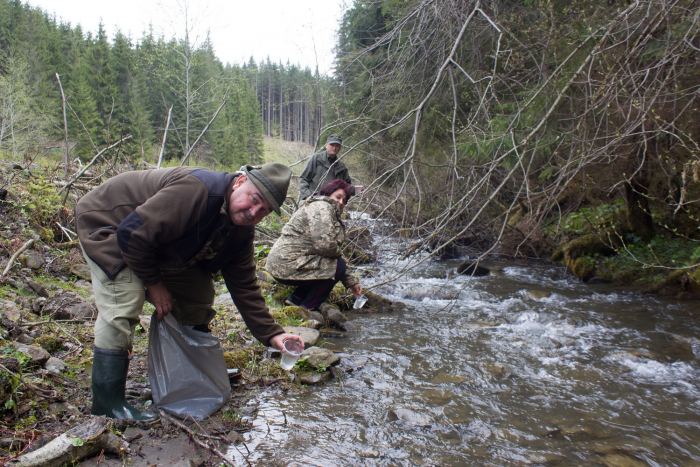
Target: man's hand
[[160, 297], [278, 340], [356, 290]]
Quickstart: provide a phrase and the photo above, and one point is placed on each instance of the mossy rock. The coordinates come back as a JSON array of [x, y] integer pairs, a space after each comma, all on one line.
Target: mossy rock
[[266, 287], [49, 343], [694, 284], [289, 313], [586, 245], [558, 255], [281, 293], [340, 297], [677, 282], [264, 276], [583, 268], [46, 235], [237, 359]]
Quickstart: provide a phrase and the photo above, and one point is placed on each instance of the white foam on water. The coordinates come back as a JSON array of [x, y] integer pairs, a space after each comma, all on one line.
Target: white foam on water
[[680, 377]]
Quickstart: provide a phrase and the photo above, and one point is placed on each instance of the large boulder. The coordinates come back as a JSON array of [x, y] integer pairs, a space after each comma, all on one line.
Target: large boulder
[[469, 268]]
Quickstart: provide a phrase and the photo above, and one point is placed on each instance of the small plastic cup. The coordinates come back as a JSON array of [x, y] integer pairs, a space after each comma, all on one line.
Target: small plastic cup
[[359, 189], [360, 301], [293, 350]]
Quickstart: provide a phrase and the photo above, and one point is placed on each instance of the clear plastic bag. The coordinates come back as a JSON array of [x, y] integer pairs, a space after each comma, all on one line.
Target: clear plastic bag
[[186, 369]]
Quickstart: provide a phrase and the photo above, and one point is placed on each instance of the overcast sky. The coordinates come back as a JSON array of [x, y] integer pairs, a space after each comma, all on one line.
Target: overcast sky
[[301, 31]]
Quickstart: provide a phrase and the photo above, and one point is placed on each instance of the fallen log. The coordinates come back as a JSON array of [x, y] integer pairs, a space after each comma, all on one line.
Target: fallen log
[[81, 442]]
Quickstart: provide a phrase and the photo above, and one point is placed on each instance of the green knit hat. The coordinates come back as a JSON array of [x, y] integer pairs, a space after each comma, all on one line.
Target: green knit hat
[[272, 180]]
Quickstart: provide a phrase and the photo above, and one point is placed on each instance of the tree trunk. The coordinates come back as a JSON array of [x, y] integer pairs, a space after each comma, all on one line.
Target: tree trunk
[[638, 214]]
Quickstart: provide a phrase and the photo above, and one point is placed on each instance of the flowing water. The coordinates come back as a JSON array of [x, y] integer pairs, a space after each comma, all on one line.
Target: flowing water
[[524, 367]]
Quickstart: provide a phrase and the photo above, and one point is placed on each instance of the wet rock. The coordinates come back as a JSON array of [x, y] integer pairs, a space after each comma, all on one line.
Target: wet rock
[[320, 358], [37, 355], [9, 310], [315, 315], [332, 314], [618, 460], [55, 365], [469, 268], [378, 304], [348, 327], [37, 287], [445, 378], [409, 416], [538, 294], [314, 324], [310, 377], [495, 369], [309, 335], [33, 260], [351, 363], [38, 305], [82, 271], [68, 305]]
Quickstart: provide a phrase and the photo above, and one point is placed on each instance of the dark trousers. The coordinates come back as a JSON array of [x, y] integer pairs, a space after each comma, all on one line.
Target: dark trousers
[[310, 294]]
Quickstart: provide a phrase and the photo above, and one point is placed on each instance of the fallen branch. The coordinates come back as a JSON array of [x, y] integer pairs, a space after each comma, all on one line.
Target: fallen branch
[[77, 176], [81, 442], [15, 256], [51, 395]]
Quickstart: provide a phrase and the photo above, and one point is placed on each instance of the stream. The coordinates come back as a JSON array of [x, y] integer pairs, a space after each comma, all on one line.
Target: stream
[[525, 366]]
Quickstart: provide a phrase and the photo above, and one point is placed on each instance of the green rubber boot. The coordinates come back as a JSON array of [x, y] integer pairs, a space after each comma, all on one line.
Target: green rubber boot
[[109, 368]]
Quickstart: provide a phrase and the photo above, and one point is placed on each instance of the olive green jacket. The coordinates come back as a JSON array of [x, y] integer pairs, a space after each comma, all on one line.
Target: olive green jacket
[[310, 244], [320, 170]]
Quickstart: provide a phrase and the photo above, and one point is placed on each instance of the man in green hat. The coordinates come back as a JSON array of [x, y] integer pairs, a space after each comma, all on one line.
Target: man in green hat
[[160, 235], [323, 167]]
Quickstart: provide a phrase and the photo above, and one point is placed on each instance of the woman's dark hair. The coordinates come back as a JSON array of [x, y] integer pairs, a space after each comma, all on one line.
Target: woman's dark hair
[[334, 185]]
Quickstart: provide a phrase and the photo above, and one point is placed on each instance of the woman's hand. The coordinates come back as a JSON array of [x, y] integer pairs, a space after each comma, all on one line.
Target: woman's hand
[[278, 340], [356, 290]]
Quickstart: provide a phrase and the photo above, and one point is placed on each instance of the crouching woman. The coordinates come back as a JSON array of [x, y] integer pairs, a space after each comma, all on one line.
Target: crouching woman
[[308, 253]]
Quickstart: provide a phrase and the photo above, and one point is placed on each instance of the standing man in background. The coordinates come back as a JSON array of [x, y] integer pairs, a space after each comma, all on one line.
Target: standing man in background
[[323, 167]]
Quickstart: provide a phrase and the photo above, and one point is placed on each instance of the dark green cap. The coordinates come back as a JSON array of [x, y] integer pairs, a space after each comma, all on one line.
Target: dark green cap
[[272, 180], [334, 139]]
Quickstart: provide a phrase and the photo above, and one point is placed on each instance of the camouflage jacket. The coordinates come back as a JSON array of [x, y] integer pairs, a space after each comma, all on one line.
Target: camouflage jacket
[[310, 244]]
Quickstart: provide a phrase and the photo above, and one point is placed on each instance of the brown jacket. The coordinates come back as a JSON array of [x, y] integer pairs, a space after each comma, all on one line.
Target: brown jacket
[[310, 244], [174, 219]]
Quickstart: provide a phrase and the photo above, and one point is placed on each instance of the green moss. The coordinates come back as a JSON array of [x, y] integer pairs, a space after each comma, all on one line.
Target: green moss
[[237, 358], [49, 343], [583, 268]]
